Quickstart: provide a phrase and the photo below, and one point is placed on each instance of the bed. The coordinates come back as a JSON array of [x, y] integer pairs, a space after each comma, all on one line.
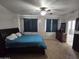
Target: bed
[[24, 44], [26, 41]]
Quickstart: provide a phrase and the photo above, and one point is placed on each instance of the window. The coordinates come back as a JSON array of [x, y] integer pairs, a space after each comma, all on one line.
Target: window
[[30, 25], [51, 25]]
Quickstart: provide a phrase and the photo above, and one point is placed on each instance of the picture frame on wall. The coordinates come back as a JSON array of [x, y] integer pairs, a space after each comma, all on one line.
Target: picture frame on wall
[[77, 24]]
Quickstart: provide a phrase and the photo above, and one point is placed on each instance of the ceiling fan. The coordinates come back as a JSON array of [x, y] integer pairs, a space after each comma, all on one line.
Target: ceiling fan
[[45, 10]]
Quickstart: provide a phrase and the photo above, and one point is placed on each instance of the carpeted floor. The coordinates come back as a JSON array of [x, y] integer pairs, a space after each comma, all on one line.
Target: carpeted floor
[[55, 50]]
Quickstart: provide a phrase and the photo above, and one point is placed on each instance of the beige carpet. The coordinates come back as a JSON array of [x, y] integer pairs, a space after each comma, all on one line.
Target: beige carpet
[[55, 50]]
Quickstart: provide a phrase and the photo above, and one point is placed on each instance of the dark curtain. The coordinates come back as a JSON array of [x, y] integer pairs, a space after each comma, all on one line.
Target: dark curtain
[[48, 25], [30, 25], [54, 25]]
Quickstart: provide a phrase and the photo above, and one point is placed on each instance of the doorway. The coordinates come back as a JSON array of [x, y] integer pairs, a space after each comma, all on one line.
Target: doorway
[[70, 32]]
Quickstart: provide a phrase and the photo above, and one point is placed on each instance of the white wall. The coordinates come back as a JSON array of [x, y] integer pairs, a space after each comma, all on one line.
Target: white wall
[[7, 18], [41, 26], [69, 16]]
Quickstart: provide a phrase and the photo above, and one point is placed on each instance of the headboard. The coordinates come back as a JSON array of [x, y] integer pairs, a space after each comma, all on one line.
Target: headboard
[[6, 32]]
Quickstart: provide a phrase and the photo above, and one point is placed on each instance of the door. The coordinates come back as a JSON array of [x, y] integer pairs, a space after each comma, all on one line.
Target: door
[[70, 32]]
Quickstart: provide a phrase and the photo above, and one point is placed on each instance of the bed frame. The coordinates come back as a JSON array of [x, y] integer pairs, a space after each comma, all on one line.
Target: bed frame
[[6, 32]]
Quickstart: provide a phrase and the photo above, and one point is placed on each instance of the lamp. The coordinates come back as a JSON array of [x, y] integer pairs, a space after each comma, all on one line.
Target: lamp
[[43, 11]]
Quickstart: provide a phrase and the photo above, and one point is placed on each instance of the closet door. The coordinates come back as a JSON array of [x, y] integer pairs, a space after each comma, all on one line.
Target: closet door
[[76, 42]]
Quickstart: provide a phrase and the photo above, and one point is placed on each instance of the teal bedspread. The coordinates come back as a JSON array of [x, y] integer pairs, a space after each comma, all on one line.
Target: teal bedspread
[[26, 41]]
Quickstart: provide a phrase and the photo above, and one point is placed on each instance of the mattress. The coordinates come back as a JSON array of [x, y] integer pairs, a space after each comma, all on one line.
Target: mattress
[[26, 41]]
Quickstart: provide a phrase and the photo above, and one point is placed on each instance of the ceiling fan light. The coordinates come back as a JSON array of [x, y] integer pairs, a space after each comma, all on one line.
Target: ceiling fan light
[[43, 13]]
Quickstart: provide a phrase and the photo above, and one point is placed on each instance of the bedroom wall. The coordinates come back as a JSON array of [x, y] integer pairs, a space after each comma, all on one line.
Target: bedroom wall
[[41, 26], [7, 18], [69, 16]]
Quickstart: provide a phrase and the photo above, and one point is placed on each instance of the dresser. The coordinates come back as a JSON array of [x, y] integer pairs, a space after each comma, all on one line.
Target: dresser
[[61, 36]]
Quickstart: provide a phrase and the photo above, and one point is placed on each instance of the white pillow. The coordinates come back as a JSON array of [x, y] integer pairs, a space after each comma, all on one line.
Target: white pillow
[[18, 34], [11, 37]]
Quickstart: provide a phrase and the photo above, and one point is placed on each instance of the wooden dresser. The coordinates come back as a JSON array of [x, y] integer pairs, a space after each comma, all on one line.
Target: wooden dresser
[[61, 36]]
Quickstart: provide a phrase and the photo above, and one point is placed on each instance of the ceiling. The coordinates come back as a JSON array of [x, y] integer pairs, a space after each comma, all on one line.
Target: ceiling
[[32, 7]]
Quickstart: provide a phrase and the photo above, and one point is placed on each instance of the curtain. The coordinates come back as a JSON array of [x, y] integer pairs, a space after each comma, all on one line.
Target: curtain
[[54, 25], [51, 25], [48, 25], [30, 25]]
